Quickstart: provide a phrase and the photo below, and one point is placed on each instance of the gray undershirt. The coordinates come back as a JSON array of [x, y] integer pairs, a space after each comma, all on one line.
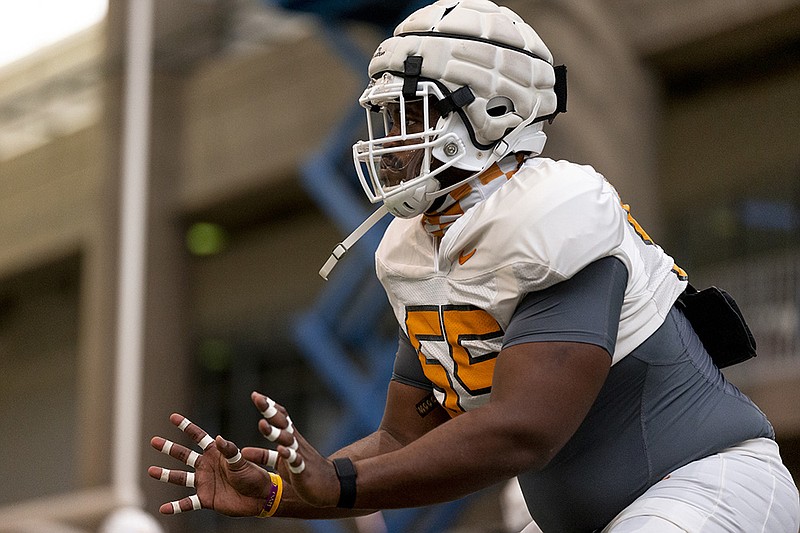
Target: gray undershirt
[[662, 406]]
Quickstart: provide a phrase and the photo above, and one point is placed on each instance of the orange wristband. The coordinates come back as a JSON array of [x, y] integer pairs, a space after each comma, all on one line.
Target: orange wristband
[[274, 497]]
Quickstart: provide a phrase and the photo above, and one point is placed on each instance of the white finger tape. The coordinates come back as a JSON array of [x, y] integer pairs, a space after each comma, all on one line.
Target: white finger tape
[[195, 499], [290, 426], [271, 410], [297, 469], [292, 456], [167, 447], [164, 475], [184, 424], [273, 434], [272, 458], [176, 508], [235, 458], [190, 479], [205, 442], [294, 445], [192, 459]]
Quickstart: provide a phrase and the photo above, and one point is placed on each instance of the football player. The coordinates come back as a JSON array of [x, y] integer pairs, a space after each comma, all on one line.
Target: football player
[[540, 330]]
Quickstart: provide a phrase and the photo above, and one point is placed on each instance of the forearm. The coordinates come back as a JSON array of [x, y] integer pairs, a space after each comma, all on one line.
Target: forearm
[[292, 506], [378, 443], [469, 453]]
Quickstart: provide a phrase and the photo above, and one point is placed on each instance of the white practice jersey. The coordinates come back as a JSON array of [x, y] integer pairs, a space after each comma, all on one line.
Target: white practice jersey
[[454, 298]]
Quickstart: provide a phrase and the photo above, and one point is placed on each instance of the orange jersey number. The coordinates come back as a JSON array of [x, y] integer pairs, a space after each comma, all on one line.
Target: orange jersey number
[[462, 336]]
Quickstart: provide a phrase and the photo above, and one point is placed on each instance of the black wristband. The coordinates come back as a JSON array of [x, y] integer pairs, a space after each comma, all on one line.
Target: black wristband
[[346, 473]]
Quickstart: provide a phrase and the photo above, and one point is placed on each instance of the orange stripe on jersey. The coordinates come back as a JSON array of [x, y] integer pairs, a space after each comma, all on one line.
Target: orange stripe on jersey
[[636, 226], [492, 174], [469, 194], [461, 192], [681, 273]]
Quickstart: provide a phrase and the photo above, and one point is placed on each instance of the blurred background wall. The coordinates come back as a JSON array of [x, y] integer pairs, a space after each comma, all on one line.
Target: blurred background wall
[[690, 107]]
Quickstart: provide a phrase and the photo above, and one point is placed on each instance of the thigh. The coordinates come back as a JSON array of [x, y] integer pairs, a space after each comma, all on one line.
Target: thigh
[[744, 489]]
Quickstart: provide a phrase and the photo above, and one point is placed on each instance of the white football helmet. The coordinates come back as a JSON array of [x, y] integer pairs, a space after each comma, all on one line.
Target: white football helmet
[[459, 85], [481, 82]]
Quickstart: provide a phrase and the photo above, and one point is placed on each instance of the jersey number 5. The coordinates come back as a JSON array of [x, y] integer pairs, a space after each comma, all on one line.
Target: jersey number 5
[[457, 346]]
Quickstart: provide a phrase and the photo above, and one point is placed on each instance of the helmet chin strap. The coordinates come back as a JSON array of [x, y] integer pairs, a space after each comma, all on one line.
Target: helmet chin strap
[[407, 204], [351, 239]]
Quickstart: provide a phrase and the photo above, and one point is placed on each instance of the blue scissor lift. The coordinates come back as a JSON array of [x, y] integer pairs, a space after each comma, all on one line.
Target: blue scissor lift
[[345, 336]]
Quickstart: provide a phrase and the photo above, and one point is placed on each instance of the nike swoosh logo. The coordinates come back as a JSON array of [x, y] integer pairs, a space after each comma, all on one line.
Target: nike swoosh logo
[[463, 258]]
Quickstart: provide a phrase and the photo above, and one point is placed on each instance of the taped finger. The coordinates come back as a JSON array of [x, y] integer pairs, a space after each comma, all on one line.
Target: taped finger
[[271, 410], [292, 456], [292, 459], [181, 453], [202, 438], [192, 501], [176, 477], [272, 458], [261, 456], [273, 434], [167, 447], [297, 469], [235, 458], [192, 459]]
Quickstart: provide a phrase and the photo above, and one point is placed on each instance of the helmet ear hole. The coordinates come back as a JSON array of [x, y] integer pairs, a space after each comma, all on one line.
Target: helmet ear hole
[[499, 106]]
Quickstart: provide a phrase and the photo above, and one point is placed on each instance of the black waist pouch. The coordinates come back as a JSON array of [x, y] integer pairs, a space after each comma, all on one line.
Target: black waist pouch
[[719, 323]]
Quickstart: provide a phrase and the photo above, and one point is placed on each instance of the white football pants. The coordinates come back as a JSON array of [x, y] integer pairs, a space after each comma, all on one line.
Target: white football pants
[[743, 489]]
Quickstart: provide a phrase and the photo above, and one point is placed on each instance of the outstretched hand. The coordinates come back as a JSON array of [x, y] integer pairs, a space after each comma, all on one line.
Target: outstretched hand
[[311, 476], [224, 480]]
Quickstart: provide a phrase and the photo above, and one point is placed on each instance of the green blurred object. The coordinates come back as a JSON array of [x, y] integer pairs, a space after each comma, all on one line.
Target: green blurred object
[[206, 238], [215, 355]]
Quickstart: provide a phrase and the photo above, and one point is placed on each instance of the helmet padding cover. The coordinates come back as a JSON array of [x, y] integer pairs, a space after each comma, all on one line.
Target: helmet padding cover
[[486, 47]]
